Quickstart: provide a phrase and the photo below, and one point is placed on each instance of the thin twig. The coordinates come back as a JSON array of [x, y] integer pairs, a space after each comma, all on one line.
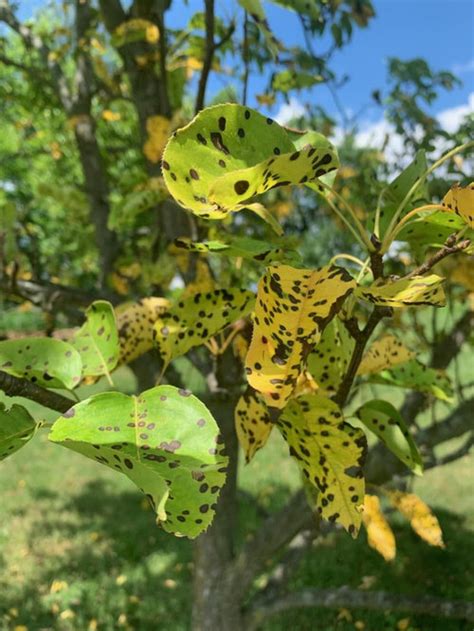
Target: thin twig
[[450, 247]]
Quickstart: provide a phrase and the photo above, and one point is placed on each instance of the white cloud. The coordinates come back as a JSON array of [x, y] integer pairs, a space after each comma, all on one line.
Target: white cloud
[[452, 117], [290, 110], [463, 68]]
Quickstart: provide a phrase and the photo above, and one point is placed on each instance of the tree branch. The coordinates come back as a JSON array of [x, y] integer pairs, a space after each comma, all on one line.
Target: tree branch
[[208, 56], [19, 387], [450, 247]]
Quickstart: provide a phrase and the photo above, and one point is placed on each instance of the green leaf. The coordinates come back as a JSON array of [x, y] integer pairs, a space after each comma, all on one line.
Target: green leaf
[[241, 247], [330, 453], [165, 440], [430, 231], [311, 8], [97, 340], [386, 422], [17, 427], [257, 13], [418, 290], [416, 376], [396, 191], [230, 153], [43, 360], [288, 80], [192, 321]]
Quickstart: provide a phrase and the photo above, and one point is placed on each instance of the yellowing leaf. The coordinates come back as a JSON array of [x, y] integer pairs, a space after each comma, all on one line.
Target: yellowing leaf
[[380, 536], [252, 423], [461, 201], [110, 116], [330, 453], [421, 519], [384, 353], [158, 128], [463, 272], [135, 30], [192, 321], [293, 307], [135, 326], [203, 281], [419, 290]]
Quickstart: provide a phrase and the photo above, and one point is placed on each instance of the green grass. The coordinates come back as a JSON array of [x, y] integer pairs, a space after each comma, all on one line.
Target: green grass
[[79, 549]]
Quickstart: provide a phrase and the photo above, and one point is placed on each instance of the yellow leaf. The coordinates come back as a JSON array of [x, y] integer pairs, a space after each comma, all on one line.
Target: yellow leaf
[[403, 624], [330, 358], [384, 353], [203, 281], [56, 152], [380, 536], [20, 627], [67, 614], [305, 384], [240, 347], [422, 520], [461, 201], [92, 625], [359, 625], [463, 272], [266, 99], [330, 454], [293, 307], [135, 326], [121, 579], [158, 128], [110, 116], [152, 33], [252, 423], [418, 290], [58, 586]]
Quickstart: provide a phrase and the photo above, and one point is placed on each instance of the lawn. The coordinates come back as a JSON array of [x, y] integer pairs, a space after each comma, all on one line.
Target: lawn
[[79, 549]]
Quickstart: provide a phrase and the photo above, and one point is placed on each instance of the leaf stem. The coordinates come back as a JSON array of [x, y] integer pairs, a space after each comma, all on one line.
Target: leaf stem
[[427, 207], [349, 257]]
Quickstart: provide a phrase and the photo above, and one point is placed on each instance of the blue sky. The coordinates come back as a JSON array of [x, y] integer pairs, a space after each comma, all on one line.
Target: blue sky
[[442, 31]]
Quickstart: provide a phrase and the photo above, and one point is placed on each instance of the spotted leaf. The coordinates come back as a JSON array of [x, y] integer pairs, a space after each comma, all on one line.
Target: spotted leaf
[[386, 422], [421, 519], [461, 201], [17, 427], [293, 307], [43, 360], [380, 536], [192, 321], [430, 231], [330, 453], [165, 440], [252, 423], [331, 356], [383, 353], [240, 247], [414, 375], [418, 290], [97, 340], [135, 326]]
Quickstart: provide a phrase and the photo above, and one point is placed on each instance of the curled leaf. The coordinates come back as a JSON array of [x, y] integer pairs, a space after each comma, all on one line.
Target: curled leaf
[[418, 290], [252, 423], [419, 514], [380, 536]]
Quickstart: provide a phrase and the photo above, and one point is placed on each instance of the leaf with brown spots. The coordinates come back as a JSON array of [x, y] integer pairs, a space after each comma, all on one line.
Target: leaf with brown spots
[[384, 353], [414, 375], [192, 321], [252, 423], [380, 536], [293, 308], [386, 422], [135, 326], [97, 340], [165, 440], [17, 427], [43, 360], [418, 290], [329, 360], [330, 453], [460, 200], [430, 231], [421, 519]]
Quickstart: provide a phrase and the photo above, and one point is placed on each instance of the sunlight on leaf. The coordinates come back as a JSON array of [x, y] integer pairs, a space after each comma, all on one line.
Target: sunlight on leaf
[[461, 201], [384, 353], [419, 514], [419, 290], [380, 536]]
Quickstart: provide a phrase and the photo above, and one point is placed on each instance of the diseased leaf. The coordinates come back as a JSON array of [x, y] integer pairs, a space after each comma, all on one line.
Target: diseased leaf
[[43, 360], [331, 356], [229, 153], [384, 353], [418, 290], [244, 247], [386, 422], [17, 427], [252, 423], [135, 326], [414, 375], [430, 231], [192, 321], [293, 308], [330, 453], [97, 340], [380, 536], [421, 519], [165, 440], [461, 200]]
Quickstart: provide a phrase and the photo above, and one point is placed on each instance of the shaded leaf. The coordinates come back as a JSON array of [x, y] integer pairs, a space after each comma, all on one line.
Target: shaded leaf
[[135, 326], [461, 200], [330, 453], [165, 440], [43, 360], [17, 427], [418, 290], [380, 536], [421, 519], [252, 423], [430, 231], [97, 340], [244, 247], [293, 307], [386, 422], [416, 376], [192, 321], [384, 353]]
